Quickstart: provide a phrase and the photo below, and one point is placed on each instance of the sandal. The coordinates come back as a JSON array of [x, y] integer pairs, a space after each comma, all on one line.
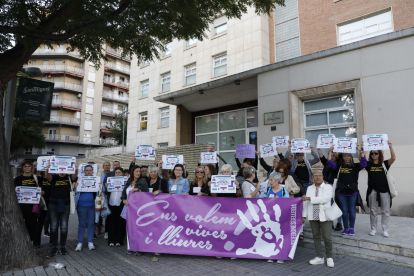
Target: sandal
[[301, 237]]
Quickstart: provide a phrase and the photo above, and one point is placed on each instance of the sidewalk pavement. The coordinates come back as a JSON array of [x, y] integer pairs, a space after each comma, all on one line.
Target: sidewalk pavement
[[113, 260]]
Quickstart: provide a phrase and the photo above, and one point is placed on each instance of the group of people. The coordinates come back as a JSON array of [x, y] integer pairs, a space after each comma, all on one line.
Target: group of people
[[289, 176]]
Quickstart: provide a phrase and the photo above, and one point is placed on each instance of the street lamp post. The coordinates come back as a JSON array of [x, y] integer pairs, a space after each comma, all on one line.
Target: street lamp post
[[123, 129]]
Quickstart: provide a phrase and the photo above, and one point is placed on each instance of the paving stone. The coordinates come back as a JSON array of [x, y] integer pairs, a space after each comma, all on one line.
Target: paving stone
[[19, 273]]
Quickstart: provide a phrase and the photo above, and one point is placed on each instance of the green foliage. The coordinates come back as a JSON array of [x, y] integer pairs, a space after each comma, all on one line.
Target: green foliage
[[116, 129], [139, 26], [27, 134]]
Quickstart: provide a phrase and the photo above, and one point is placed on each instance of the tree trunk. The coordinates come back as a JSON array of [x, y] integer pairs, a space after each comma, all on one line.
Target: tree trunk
[[16, 249]]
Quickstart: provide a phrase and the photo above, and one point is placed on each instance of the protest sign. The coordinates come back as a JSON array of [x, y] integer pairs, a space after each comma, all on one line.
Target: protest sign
[[345, 145], [169, 161], [375, 142], [208, 157], [281, 141], [28, 195], [145, 152], [267, 150], [116, 183], [88, 184], [300, 145], [245, 151], [223, 184], [214, 226], [62, 164], [81, 169], [42, 163], [325, 141]]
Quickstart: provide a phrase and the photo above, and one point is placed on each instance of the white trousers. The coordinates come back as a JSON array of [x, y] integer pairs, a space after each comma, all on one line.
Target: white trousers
[[385, 209]]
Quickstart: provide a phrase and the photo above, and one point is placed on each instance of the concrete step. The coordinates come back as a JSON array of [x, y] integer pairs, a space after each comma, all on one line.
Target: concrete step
[[369, 254]]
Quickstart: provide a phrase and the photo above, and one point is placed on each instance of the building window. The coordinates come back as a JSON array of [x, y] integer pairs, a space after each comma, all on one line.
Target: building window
[[190, 74], [330, 116], [191, 42], [220, 25], [166, 79], [89, 100], [163, 145], [368, 26], [144, 89], [167, 51], [220, 65], [165, 117], [143, 118]]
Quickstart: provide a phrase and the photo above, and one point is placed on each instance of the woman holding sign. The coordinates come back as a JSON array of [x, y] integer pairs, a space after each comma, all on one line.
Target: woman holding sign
[[250, 190], [276, 190], [287, 180], [178, 184], [347, 186], [156, 184], [378, 194], [115, 224], [85, 206], [199, 187]]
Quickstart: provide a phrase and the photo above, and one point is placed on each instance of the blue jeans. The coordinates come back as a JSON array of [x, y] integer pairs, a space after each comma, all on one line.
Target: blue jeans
[[348, 207], [86, 217], [58, 220]]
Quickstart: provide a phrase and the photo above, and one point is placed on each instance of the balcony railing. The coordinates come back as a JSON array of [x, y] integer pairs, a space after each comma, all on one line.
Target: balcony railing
[[58, 51], [110, 111], [61, 138], [108, 142], [63, 120], [59, 68], [116, 52], [115, 96], [69, 86], [66, 102], [117, 67], [116, 82]]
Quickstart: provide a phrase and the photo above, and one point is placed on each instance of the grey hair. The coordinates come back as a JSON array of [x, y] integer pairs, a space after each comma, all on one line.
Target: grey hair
[[152, 168], [276, 176], [103, 164], [225, 167], [248, 171], [317, 170]]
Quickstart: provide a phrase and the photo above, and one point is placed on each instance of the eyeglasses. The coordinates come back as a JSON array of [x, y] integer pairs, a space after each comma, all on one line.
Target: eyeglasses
[[374, 153], [317, 175], [199, 172]]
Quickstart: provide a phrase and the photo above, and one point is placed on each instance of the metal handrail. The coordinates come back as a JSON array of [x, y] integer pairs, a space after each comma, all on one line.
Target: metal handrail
[[66, 102], [64, 120], [114, 96], [69, 86], [114, 66], [59, 68], [61, 137]]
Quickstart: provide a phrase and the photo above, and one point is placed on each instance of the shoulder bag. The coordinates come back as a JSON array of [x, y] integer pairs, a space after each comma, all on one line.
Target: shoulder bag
[[99, 199], [391, 183], [43, 205], [72, 197], [333, 212]]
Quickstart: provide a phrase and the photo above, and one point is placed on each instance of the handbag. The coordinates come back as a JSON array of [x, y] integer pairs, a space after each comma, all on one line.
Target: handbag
[[333, 212], [99, 200], [42, 204], [72, 197], [391, 183]]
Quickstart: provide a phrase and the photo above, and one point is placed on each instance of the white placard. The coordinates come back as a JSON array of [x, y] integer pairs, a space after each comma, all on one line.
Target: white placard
[[223, 184], [281, 141], [267, 150], [345, 145], [28, 195], [325, 141], [263, 188], [42, 163], [87, 184], [62, 164], [300, 145], [375, 142], [116, 183], [169, 161], [151, 190], [196, 190], [81, 169], [145, 152], [208, 157]]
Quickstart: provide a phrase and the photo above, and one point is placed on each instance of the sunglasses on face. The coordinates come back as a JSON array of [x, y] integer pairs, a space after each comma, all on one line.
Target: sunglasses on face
[[374, 153], [199, 172]]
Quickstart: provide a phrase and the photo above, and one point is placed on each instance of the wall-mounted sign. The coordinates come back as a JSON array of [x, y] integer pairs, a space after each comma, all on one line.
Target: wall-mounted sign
[[275, 117]]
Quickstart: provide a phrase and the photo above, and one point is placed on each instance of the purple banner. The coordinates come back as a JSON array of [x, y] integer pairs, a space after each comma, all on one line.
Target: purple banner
[[214, 226], [245, 151]]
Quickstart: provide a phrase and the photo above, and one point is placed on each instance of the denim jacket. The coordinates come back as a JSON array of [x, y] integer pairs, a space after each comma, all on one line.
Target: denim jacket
[[183, 186]]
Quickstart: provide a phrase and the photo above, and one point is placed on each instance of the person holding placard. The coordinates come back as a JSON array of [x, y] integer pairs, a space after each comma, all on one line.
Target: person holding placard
[[156, 184], [287, 180], [85, 206], [276, 190], [29, 211], [378, 193], [227, 169], [268, 168], [59, 208], [199, 186], [114, 223], [178, 184], [250, 190], [347, 186]]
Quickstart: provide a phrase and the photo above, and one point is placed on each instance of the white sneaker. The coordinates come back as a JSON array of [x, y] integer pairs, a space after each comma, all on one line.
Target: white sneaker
[[111, 245], [91, 246], [78, 247], [329, 262], [106, 236], [118, 245], [218, 257], [280, 261], [317, 261], [385, 234], [270, 261], [233, 258], [373, 232]]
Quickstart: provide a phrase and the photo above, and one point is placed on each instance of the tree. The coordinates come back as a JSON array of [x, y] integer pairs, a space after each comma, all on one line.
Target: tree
[[116, 129], [27, 134], [139, 27]]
